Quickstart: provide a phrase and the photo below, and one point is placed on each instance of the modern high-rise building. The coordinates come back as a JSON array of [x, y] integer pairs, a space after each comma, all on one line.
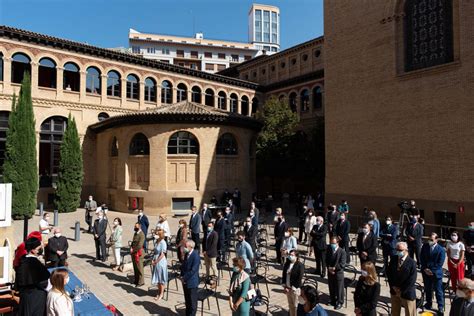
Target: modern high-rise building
[[264, 27]]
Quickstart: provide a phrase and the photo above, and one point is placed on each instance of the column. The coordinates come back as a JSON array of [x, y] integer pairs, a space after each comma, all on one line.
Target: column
[[141, 95], [239, 106], [59, 82], [7, 75], [82, 87], [189, 95], [34, 78], [227, 103], [123, 92], [103, 88], [174, 97], [216, 101]]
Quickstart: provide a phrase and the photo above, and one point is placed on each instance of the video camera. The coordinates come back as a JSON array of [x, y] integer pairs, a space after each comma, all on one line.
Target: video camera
[[404, 205]]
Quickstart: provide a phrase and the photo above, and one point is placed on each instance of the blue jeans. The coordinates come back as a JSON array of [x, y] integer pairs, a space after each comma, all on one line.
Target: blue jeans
[[433, 283]]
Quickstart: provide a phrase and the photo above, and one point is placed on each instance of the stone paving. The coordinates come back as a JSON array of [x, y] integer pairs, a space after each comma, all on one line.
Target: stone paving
[[113, 287]]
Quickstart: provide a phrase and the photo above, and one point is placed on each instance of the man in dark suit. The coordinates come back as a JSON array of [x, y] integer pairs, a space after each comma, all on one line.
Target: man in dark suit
[[190, 277], [90, 207], [58, 246], [318, 242], [220, 230], [336, 261], [279, 232], [251, 232], [206, 216], [100, 225], [195, 227], [343, 227], [463, 304], [137, 254], [332, 216], [209, 247], [254, 213], [389, 235], [367, 244], [401, 274], [414, 234], [232, 206], [144, 224], [229, 225], [432, 259], [237, 199]]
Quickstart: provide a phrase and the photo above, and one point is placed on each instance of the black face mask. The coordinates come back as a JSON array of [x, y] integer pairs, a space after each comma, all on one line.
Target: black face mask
[[136, 229], [40, 252]]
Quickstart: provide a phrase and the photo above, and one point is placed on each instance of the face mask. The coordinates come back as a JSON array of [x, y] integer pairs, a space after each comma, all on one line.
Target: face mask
[[365, 230], [67, 280], [90, 199], [287, 234], [136, 229], [364, 273], [40, 251], [116, 223], [249, 223], [141, 213], [292, 258], [454, 238], [343, 218], [227, 211], [389, 222], [310, 214], [333, 246], [57, 235], [400, 253], [46, 219], [460, 293], [156, 237], [252, 214], [209, 229], [186, 250], [100, 217], [235, 269], [413, 221], [181, 225], [471, 227], [431, 242], [301, 300]]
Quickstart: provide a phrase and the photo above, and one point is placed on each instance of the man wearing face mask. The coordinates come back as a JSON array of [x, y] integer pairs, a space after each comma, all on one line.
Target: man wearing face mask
[[318, 235], [229, 226], [210, 250], [401, 274], [432, 261], [463, 304], [190, 277], [44, 227], [220, 230], [136, 251], [31, 280], [251, 232], [389, 235], [206, 216], [90, 207], [343, 227], [254, 214], [336, 262], [99, 229], [331, 218], [58, 246], [144, 224], [414, 234], [279, 232], [292, 277], [367, 244], [244, 250], [195, 227]]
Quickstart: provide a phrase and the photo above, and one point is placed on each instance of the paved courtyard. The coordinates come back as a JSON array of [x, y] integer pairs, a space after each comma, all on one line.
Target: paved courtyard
[[115, 287]]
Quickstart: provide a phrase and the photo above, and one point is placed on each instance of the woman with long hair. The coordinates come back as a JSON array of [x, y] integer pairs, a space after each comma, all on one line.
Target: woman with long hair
[[456, 250], [59, 303], [181, 238], [367, 291], [116, 240], [160, 270]]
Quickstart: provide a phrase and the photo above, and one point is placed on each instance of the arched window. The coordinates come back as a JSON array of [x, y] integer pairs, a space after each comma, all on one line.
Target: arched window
[[281, 97], [255, 104], [244, 105], [210, 97], [47, 73], [71, 77], [114, 84], [428, 33], [233, 103], [51, 137], [102, 116], [132, 87], [150, 90], [183, 143], [227, 145], [1, 66], [304, 100], [166, 92], [222, 100], [93, 80], [196, 94], [182, 92], [20, 65], [317, 98], [139, 145], [292, 101], [3, 136], [114, 148]]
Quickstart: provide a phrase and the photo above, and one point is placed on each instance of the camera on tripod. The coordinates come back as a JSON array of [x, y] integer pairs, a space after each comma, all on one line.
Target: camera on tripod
[[404, 206]]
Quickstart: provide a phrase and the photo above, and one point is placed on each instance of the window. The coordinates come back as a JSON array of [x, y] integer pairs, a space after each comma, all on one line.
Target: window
[[1, 66], [281, 97], [150, 90], [180, 53], [255, 104], [209, 97], [317, 53], [221, 55], [244, 105], [292, 101], [263, 71], [51, 137], [293, 61], [47, 73], [20, 65], [4, 115], [166, 92], [305, 57], [165, 51], [227, 145], [151, 50], [233, 103], [317, 98], [266, 26], [222, 100], [102, 116], [274, 28], [181, 204], [136, 49], [114, 83], [304, 100], [210, 67], [139, 145], [182, 92], [196, 94], [247, 57], [194, 54], [282, 64], [114, 148], [132, 87], [220, 67], [274, 49], [93, 80], [258, 25], [235, 58], [71, 77], [428, 33], [207, 54], [183, 143]]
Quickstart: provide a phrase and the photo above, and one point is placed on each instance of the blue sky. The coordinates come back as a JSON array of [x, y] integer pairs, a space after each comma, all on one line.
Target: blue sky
[[105, 23]]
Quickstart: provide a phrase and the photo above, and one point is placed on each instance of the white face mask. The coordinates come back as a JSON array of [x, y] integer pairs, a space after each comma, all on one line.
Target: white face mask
[[454, 238], [141, 213], [67, 280], [90, 199], [301, 300], [364, 273], [181, 225], [287, 234], [389, 222], [57, 235], [101, 217], [116, 223], [460, 293]]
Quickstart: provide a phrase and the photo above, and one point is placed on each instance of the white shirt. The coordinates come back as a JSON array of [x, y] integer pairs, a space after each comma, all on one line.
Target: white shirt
[[44, 223], [165, 226], [58, 304], [288, 274], [455, 249], [309, 223]]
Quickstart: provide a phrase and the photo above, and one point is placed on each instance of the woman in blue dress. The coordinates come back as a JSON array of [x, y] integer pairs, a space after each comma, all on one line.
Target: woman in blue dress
[[160, 271]]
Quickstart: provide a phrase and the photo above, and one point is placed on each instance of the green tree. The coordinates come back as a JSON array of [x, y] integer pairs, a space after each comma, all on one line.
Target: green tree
[[68, 192], [20, 167]]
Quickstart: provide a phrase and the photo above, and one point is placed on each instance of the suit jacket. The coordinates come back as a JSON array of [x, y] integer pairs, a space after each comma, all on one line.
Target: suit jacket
[[433, 260], [144, 223], [251, 236], [389, 241], [210, 244], [279, 230], [403, 278], [459, 307], [99, 228], [220, 227], [319, 237], [415, 232], [336, 259], [369, 245], [195, 223], [296, 274], [137, 242], [331, 217], [343, 229], [229, 221], [190, 270], [181, 236], [55, 244], [206, 216]]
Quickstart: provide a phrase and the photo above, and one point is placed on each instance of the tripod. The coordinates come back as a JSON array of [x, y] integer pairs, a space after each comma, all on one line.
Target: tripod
[[404, 218]]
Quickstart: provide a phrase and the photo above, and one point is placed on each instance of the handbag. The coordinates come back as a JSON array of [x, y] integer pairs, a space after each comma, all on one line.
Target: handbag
[[251, 294]]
